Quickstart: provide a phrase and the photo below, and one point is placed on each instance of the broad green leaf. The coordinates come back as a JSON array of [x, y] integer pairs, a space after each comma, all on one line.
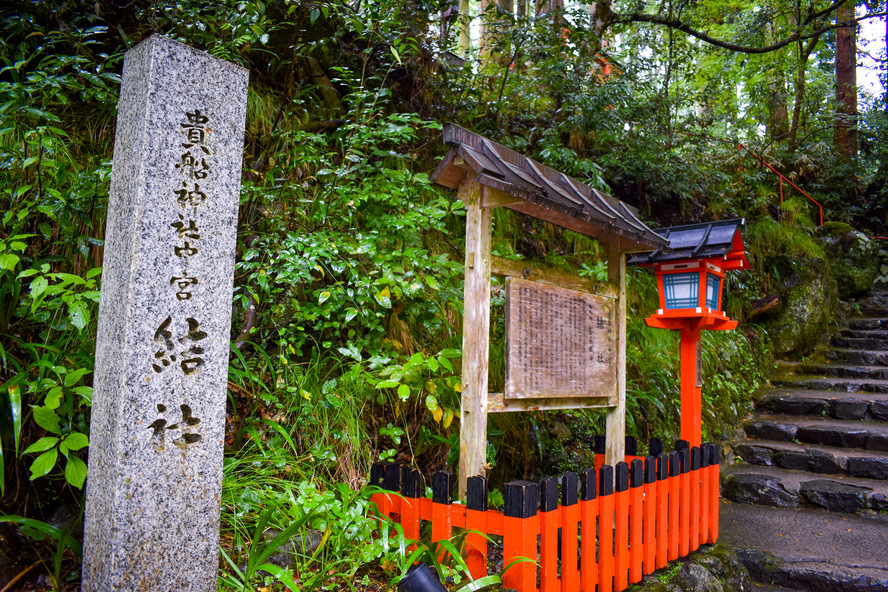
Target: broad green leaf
[[73, 377], [42, 445], [53, 398], [387, 384], [404, 392], [76, 441], [323, 297], [79, 313], [75, 471], [44, 463], [38, 287], [47, 419], [431, 402], [8, 261], [86, 392]]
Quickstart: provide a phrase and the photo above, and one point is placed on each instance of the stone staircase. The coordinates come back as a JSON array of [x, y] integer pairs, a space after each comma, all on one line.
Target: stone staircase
[[807, 501]]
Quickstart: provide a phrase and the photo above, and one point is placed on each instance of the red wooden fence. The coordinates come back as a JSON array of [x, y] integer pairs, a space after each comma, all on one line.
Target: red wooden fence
[[613, 524]]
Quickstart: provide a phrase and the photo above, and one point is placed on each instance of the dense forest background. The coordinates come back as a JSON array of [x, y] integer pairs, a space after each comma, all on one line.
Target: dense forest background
[[348, 292]]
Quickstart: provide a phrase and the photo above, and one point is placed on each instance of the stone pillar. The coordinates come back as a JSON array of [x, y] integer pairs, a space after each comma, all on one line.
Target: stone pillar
[[158, 417]]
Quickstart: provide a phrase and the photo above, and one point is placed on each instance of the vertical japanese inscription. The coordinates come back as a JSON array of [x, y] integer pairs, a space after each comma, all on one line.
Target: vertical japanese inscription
[[559, 342], [178, 337]]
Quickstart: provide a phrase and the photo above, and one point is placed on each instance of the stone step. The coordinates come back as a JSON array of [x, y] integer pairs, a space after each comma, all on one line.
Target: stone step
[[801, 402], [820, 383], [807, 549], [860, 357], [859, 343], [864, 333], [842, 371], [823, 460], [828, 432], [783, 488], [869, 323]]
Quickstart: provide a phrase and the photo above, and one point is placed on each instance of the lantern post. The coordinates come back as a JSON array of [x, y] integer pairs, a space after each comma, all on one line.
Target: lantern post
[[690, 277]]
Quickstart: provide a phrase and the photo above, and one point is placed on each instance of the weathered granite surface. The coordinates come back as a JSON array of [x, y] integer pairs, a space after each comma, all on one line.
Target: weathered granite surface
[[155, 460]]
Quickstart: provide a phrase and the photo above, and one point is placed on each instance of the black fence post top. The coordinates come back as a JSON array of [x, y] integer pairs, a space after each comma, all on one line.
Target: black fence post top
[[606, 480], [695, 458], [476, 493], [377, 474], [392, 479], [714, 453], [521, 499], [655, 447], [636, 473], [570, 485], [588, 482], [442, 487], [662, 466], [622, 482], [650, 469], [685, 455], [682, 445], [549, 494], [600, 444], [674, 464], [631, 446], [412, 485], [704, 455]]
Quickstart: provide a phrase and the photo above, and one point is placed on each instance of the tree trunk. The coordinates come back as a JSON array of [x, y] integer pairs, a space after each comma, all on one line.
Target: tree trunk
[[846, 83], [801, 69]]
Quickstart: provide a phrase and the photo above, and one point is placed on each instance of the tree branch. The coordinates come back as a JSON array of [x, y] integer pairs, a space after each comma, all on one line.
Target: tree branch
[[685, 28]]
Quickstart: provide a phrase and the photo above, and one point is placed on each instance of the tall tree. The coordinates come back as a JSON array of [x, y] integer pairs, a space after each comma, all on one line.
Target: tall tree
[[846, 81]]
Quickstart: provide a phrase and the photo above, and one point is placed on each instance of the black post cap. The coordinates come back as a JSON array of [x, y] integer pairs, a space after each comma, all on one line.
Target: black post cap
[[674, 464], [606, 480], [650, 469], [622, 483], [442, 487], [392, 479], [588, 488], [685, 454], [662, 466], [570, 485], [411, 486], [636, 473], [521, 499], [695, 458], [549, 494], [682, 445], [476, 493], [704, 455], [631, 446], [377, 474], [600, 445], [655, 446], [714, 454]]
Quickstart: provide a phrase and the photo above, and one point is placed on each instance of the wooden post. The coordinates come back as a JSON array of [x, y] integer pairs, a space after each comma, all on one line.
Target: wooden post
[[616, 416], [691, 393], [476, 333]]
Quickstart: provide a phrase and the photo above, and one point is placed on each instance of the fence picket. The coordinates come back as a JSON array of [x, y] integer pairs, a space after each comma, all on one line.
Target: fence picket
[[606, 529], [636, 515], [569, 538], [589, 514], [476, 520]]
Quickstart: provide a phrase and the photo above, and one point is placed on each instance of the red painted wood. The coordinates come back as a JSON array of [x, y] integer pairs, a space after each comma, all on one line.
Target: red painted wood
[[519, 540], [570, 530], [705, 502], [636, 542], [649, 524], [621, 541], [441, 525], [696, 500], [662, 525], [674, 536], [713, 506], [549, 523], [606, 543], [588, 562], [476, 543], [685, 515], [410, 519]]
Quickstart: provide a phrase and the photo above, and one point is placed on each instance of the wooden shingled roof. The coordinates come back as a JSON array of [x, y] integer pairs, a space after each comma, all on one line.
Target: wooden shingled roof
[[526, 186], [706, 240]]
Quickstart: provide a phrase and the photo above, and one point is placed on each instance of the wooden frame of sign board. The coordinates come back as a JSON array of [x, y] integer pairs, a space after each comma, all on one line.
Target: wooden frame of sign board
[[487, 175]]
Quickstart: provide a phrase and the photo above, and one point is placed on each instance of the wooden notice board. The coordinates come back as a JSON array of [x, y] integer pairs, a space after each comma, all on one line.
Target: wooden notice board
[[560, 343]]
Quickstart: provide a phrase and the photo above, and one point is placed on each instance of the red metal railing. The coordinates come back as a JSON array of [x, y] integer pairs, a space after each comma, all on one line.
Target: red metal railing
[[741, 147], [614, 524]]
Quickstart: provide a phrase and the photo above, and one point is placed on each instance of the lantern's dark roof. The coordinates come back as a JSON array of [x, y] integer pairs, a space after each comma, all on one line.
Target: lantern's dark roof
[[697, 241], [540, 191]]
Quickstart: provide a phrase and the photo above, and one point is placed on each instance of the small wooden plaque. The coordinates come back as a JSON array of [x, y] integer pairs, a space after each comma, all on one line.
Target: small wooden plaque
[[560, 343]]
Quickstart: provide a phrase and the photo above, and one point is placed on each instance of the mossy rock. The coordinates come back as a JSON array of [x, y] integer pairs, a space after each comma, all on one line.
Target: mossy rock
[[853, 257], [808, 296]]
